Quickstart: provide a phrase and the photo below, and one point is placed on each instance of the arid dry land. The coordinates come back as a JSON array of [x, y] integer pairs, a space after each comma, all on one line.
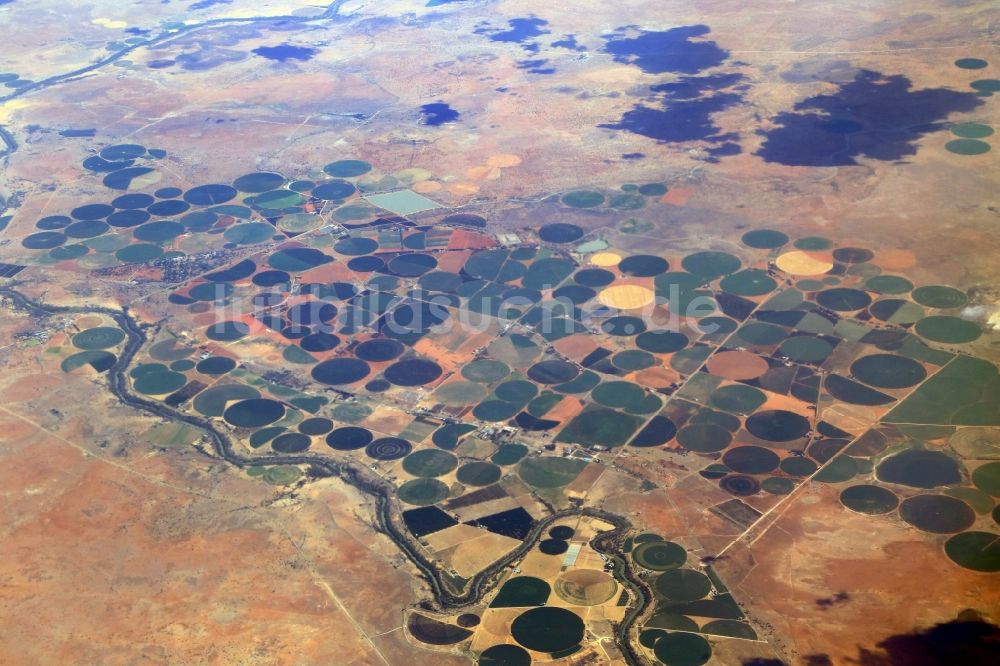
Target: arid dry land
[[500, 333]]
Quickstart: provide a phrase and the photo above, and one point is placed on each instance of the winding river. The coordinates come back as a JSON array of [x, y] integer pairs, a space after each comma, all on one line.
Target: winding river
[[388, 516]]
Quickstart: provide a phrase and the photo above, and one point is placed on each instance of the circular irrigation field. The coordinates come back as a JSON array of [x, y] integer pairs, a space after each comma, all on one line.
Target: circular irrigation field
[[659, 555]]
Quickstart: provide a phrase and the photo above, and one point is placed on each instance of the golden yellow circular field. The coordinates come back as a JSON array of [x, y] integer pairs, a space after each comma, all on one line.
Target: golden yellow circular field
[[604, 259], [798, 262], [626, 296]]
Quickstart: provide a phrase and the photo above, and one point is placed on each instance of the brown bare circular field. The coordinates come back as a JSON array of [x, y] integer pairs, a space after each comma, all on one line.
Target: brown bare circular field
[[737, 365], [585, 587]]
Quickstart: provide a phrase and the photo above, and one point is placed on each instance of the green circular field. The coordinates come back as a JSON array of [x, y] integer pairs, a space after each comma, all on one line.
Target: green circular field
[[652, 189], [448, 436], [749, 282], [648, 637], [547, 629], [281, 475], [972, 130], [838, 470], [751, 459], [505, 655], [949, 330], [967, 147], [869, 500], [139, 253], [96, 359], [509, 454], [764, 239], [485, 371], [101, 337], [731, 628], [978, 551], [440, 281], [422, 492], [549, 472], [299, 223], [659, 555], [710, 265], [683, 585], [971, 63], [583, 199], [643, 265], [843, 299], [254, 413], [627, 396], [161, 230], [560, 232], [212, 401], [627, 201], [806, 348], [159, 383], [215, 365], [896, 311], [761, 333], [347, 168], [259, 182], [938, 514], [227, 331], [888, 284], [920, 468], [661, 342], [987, 478], [458, 393], [980, 502], [811, 243], [888, 371], [516, 390], [704, 437], [521, 591], [429, 463], [249, 233], [939, 296], [290, 442], [495, 410], [631, 360], [737, 398], [797, 466], [478, 473], [682, 649]]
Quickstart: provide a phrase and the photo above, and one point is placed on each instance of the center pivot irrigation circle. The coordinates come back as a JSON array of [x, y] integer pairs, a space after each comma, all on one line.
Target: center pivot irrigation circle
[[412, 372], [388, 448], [547, 629], [626, 296]]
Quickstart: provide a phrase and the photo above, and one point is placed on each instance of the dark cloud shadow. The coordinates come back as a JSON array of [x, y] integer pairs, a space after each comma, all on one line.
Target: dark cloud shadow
[[968, 642], [659, 52], [875, 116], [520, 31], [682, 111], [438, 113]]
